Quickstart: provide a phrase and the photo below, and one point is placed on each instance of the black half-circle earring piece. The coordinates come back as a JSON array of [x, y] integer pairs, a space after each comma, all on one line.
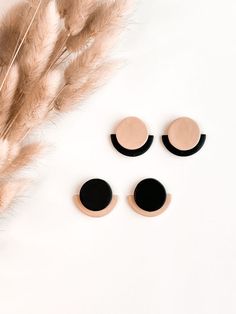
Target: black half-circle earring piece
[[184, 137], [95, 198], [131, 137], [150, 198]]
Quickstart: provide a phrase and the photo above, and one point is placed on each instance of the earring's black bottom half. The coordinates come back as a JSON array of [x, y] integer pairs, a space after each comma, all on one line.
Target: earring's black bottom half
[[135, 152], [183, 153]]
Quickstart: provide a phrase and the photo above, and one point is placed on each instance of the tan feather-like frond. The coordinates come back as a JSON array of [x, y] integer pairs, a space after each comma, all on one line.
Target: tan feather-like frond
[[75, 13], [106, 18], [34, 107], [53, 55], [39, 44], [9, 190], [11, 31], [4, 152], [62, 6], [7, 93], [21, 41], [80, 75], [25, 157], [75, 93], [59, 49]]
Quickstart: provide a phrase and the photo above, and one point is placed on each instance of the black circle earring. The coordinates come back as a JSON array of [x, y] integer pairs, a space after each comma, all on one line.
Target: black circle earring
[[150, 198], [95, 198]]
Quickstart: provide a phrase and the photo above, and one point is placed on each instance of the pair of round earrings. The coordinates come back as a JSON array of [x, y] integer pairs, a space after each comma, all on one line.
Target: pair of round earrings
[[183, 137], [96, 198]]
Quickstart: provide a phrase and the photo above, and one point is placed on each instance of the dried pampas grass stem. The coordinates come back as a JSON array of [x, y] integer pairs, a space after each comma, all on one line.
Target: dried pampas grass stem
[[15, 53], [54, 54]]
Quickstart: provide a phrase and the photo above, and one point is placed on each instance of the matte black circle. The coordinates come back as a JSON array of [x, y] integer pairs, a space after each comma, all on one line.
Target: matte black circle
[[96, 195], [150, 195]]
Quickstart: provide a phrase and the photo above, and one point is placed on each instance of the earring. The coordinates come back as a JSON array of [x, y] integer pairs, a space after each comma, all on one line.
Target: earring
[[95, 198], [131, 137], [184, 137], [150, 198]]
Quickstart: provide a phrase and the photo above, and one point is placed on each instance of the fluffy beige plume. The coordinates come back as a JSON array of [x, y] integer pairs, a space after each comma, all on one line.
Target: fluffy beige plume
[[21, 40], [106, 18], [75, 93], [98, 49], [34, 108], [11, 31], [81, 73], [75, 13], [77, 73], [39, 44], [35, 82], [81, 66], [4, 152], [59, 49], [9, 190], [25, 157], [62, 6], [7, 93], [24, 16]]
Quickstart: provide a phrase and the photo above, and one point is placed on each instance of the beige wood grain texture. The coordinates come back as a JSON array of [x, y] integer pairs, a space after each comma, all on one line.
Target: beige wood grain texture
[[94, 214], [142, 212], [184, 133], [132, 133]]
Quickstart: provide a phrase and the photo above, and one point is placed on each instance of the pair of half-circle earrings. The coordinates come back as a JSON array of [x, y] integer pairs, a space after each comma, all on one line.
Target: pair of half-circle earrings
[[96, 198], [183, 137]]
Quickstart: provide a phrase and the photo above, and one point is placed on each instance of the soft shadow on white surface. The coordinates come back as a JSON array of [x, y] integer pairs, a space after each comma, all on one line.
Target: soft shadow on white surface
[[180, 60]]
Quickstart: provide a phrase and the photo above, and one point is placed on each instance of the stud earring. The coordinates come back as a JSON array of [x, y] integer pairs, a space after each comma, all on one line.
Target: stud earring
[[95, 198], [131, 137], [184, 137], [150, 198]]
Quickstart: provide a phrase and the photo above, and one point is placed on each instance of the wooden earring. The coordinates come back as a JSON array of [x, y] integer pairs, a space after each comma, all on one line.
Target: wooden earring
[[95, 198], [184, 137], [150, 198], [131, 137]]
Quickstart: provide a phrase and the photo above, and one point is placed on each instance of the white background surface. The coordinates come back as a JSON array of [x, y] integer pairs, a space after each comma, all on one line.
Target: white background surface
[[180, 60]]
